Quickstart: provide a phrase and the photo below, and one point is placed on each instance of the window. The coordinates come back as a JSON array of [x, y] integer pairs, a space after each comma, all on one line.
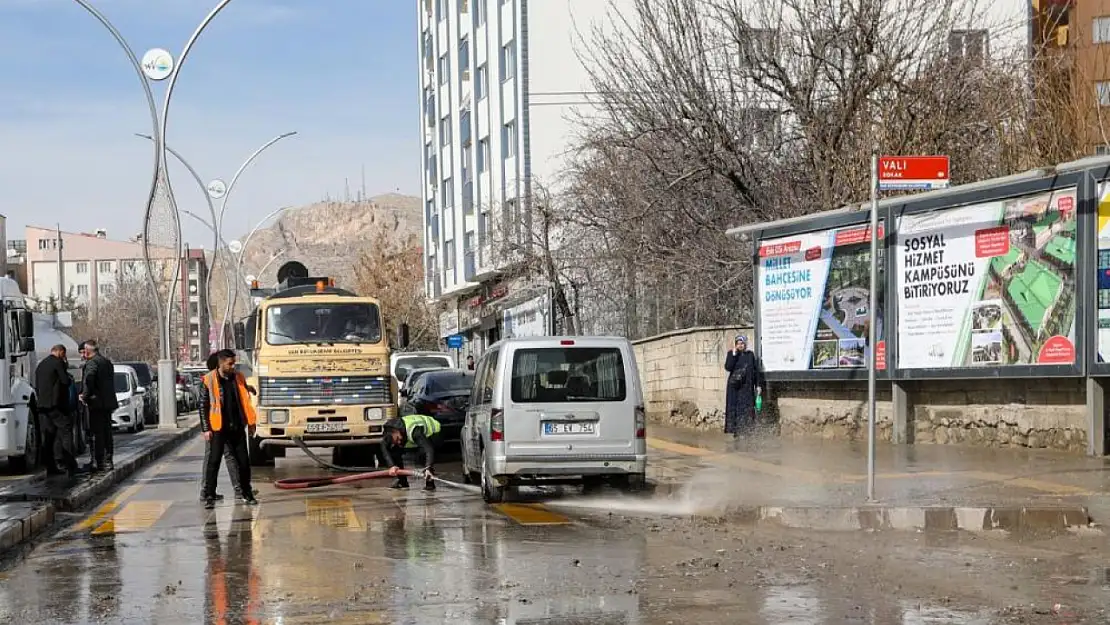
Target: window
[[448, 192], [481, 83], [763, 127], [449, 255], [440, 12], [290, 324], [508, 140], [82, 268], [1102, 150], [971, 45], [444, 69], [131, 266], [445, 131], [483, 155], [485, 380], [1100, 33], [466, 165], [104, 266], [568, 374], [82, 290], [464, 6], [122, 382], [480, 12], [759, 45], [508, 61], [464, 59], [107, 289], [48, 244], [1103, 90], [468, 244]]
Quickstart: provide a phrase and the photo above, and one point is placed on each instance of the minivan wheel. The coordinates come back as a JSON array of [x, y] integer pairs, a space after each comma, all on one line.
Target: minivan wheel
[[491, 492]]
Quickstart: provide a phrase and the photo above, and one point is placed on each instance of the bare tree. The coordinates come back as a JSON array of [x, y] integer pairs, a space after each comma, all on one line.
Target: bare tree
[[125, 324], [391, 270]]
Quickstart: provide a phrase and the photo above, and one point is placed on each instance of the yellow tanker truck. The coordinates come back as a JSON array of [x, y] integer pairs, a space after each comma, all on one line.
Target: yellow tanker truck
[[319, 358]]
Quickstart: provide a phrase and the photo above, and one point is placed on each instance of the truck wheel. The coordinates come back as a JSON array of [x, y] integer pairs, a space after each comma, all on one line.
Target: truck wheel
[[258, 454], [29, 461]]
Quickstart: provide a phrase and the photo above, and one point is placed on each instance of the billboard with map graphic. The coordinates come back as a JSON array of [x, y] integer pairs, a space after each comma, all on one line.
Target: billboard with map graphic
[[814, 294], [989, 284]]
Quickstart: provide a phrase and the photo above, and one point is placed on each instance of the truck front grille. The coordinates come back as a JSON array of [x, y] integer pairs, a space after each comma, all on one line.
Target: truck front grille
[[323, 391]]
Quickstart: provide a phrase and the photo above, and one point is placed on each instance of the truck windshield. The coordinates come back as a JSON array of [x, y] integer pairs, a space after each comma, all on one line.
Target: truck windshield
[[289, 324]]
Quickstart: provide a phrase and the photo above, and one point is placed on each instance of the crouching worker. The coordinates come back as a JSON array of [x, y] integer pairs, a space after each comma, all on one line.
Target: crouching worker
[[227, 419], [413, 434]]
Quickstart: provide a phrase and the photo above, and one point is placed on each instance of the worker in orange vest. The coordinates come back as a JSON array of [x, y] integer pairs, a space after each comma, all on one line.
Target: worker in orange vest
[[227, 418]]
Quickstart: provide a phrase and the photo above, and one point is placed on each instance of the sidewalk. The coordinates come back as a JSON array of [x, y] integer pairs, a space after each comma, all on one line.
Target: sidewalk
[[1000, 486], [28, 503]]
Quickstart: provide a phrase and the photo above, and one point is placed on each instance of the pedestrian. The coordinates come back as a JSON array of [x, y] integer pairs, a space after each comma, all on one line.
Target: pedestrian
[[416, 434], [469, 362], [745, 382], [98, 393], [229, 457], [52, 390], [227, 419]]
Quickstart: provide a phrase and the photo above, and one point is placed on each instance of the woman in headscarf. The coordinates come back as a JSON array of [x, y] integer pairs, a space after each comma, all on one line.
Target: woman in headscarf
[[745, 381]]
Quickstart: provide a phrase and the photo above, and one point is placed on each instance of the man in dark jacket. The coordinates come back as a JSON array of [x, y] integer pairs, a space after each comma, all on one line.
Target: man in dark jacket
[[52, 384], [227, 419], [98, 392]]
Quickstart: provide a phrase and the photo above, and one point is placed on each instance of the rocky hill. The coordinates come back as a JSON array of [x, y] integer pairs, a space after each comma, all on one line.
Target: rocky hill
[[327, 237]]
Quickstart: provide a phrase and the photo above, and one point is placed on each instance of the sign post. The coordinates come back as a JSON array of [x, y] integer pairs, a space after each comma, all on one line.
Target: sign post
[[891, 173]]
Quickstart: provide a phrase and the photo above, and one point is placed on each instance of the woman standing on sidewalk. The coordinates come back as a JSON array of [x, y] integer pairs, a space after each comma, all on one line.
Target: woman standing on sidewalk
[[745, 382]]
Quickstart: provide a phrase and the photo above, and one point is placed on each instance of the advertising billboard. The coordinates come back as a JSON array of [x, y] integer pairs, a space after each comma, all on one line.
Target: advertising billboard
[[988, 285], [1103, 284], [814, 300]]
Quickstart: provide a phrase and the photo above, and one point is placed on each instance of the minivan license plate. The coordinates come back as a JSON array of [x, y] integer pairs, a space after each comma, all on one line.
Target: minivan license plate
[[324, 428], [558, 427]]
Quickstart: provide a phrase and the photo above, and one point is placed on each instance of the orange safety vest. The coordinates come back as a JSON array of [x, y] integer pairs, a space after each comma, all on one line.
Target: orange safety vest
[[215, 406]]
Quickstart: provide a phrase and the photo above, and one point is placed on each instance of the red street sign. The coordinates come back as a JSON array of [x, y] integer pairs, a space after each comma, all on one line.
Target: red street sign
[[913, 172]]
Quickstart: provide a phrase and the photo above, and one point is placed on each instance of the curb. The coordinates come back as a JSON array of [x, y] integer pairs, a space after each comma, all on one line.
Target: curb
[[900, 518], [40, 512]]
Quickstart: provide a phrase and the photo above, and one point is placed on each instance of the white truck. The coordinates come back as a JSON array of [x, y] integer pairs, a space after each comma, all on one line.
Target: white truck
[[20, 439]]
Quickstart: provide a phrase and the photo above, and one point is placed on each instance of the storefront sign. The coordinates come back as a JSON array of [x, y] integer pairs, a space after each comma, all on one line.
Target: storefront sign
[[448, 323]]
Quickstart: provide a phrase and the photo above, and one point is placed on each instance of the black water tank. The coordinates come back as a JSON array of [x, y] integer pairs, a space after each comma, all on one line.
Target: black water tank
[[291, 269]]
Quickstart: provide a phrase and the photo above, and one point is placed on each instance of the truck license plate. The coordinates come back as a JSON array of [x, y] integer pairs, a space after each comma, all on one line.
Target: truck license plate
[[324, 428], [551, 428]]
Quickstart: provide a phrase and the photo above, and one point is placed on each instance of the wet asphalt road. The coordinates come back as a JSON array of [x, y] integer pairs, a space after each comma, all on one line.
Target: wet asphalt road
[[367, 554]]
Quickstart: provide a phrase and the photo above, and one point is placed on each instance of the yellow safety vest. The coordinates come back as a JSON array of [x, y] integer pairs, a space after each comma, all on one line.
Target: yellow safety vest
[[413, 421]]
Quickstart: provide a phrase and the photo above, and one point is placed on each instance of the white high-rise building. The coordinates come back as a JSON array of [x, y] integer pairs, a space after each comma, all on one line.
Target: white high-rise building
[[500, 83]]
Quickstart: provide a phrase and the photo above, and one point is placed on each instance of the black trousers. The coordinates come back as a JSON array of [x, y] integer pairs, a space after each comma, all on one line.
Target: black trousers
[[232, 467], [236, 442], [416, 455], [100, 423], [58, 443]]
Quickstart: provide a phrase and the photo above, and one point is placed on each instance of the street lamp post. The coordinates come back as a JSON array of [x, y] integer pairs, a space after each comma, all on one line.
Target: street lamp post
[[167, 400], [239, 260], [216, 225]]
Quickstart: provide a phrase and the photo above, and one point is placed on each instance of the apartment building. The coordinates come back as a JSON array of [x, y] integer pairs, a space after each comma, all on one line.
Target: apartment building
[[500, 85], [94, 265]]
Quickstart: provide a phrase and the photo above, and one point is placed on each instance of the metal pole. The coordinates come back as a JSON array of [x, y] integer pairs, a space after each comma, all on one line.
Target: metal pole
[[872, 328], [239, 263], [218, 240], [61, 277], [167, 397]]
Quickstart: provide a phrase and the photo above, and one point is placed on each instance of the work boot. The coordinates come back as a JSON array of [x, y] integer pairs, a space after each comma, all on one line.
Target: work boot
[[399, 483], [209, 504], [216, 497], [429, 484]]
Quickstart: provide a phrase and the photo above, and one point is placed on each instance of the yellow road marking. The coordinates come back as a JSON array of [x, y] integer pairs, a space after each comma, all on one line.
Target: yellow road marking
[[106, 509], [531, 514], [136, 516], [337, 512], [744, 462]]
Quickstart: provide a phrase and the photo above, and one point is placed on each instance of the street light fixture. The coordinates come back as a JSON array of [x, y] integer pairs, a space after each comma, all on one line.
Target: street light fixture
[[239, 260], [218, 190], [167, 401]]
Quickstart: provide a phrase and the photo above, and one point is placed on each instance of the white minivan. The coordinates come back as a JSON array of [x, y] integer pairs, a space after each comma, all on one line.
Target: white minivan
[[555, 410], [129, 415]]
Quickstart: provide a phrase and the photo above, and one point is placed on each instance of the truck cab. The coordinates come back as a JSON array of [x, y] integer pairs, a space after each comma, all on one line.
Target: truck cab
[[20, 439], [319, 358]]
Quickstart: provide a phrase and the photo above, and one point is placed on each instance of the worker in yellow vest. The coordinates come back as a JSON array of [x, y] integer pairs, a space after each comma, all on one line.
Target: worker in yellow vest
[[415, 434], [227, 419]]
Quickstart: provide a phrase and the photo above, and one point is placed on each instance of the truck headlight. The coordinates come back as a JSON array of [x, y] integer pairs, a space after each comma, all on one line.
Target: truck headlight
[[279, 416], [373, 414]]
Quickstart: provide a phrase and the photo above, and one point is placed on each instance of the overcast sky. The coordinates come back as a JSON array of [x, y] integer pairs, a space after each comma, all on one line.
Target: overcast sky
[[342, 73]]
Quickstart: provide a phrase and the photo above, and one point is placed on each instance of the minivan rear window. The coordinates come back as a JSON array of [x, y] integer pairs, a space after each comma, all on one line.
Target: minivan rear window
[[568, 374]]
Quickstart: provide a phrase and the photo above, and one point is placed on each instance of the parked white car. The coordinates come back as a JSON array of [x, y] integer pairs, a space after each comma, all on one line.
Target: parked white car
[[555, 410], [129, 415]]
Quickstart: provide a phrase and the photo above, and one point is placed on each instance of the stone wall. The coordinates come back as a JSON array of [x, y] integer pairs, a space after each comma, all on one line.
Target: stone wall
[[1048, 413], [683, 375]]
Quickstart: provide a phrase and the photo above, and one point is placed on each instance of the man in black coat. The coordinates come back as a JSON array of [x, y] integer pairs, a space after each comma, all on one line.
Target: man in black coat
[[52, 390], [98, 392]]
